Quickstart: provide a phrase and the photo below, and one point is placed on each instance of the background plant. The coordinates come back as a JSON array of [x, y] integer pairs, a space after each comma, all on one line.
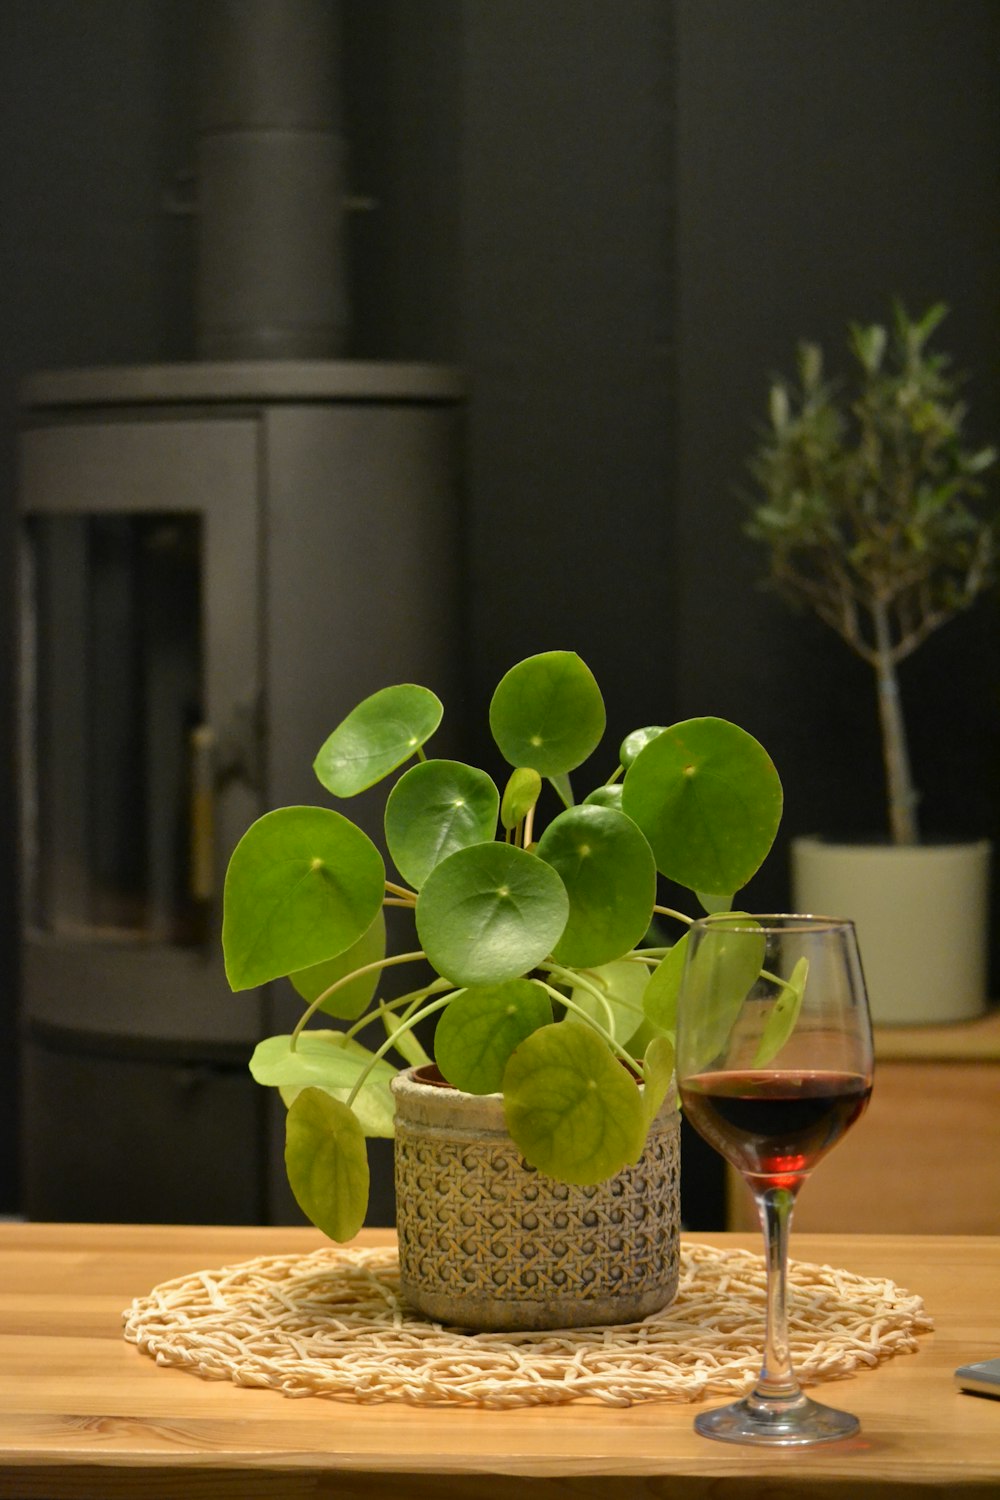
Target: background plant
[[874, 511], [543, 979]]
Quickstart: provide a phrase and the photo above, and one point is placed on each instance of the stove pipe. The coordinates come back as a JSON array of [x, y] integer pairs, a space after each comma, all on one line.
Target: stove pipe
[[270, 190]]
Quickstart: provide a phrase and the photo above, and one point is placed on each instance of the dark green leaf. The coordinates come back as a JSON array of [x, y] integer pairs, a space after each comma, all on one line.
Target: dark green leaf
[[547, 713], [520, 795], [636, 741], [349, 1001], [490, 913], [708, 799], [435, 808], [605, 796], [480, 1029], [609, 873], [380, 734], [303, 884]]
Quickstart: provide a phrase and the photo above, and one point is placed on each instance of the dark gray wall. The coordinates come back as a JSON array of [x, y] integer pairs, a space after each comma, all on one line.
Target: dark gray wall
[[91, 272], [828, 158], [619, 216]]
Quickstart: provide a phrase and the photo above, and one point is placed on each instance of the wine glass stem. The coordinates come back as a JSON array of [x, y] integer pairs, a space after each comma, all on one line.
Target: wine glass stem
[[776, 1382]]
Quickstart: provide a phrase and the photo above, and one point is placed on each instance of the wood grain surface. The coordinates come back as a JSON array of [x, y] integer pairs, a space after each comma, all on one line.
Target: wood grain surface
[[85, 1416]]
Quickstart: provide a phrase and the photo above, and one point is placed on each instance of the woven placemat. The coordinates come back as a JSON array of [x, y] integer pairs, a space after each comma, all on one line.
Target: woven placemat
[[332, 1324]]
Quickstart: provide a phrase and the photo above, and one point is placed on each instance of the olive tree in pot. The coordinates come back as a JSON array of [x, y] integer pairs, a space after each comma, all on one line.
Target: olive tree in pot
[[875, 516], [553, 1001]]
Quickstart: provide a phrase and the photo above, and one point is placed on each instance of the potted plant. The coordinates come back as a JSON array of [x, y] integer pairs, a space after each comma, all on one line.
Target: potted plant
[[875, 516], [553, 1008]]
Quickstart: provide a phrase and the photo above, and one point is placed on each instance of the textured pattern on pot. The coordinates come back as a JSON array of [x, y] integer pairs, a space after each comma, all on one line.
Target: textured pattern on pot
[[488, 1242]]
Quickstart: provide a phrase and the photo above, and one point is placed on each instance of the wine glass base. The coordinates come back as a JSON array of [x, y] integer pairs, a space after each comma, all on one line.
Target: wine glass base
[[780, 1426]]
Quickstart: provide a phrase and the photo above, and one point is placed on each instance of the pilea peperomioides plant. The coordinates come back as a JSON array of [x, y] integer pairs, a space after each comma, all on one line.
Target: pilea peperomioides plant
[[545, 977]]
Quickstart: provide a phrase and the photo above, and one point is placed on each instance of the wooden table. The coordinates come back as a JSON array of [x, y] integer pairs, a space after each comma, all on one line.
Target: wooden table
[[84, 1415]]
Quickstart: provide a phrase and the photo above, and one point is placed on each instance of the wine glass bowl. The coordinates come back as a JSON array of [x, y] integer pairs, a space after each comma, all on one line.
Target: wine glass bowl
[[774, 1064]]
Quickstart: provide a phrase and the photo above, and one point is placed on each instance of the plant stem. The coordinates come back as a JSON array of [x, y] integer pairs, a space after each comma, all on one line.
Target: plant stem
[[895, 754], [389, 1043], [372, 968], [401, 1003], [570, 976], [668, 911]]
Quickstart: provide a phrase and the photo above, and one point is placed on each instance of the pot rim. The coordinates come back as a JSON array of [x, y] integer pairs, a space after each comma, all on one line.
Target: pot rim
[[436, 1103]]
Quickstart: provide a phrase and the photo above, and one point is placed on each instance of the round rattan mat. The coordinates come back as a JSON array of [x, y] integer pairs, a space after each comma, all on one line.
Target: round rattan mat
[[332, 1324]]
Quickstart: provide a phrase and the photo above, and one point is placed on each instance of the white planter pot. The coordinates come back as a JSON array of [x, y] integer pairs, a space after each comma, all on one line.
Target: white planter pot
[[922, 921]]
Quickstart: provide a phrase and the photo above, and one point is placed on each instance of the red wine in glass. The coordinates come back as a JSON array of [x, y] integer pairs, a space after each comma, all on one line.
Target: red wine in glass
[[772, 1125], [774, 1064]]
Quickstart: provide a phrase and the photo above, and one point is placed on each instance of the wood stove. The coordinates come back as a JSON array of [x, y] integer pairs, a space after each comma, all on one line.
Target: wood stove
[[219, 560]]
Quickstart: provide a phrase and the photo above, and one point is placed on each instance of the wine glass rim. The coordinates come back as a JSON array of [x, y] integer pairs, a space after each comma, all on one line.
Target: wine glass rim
[[773, 922]]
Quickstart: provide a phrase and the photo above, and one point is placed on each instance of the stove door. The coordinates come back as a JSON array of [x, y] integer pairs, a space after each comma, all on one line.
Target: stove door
[[141, 749]]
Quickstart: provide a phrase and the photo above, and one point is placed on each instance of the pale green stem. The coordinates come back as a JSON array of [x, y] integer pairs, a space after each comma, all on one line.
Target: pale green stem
[[776, 979], [668, 911], [389, 1043], [372, 968], [400, 890], [569, 976], [401, 1002]]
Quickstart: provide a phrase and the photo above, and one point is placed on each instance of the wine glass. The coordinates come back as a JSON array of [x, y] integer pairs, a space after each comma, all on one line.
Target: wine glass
[[774, 1064]]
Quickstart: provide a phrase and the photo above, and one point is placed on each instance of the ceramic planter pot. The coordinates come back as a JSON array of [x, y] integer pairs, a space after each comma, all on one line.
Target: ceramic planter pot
[[487, 1242], [922, 921]]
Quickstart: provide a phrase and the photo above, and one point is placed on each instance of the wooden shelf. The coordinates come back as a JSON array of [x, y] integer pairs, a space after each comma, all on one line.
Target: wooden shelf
[[969, 1041]]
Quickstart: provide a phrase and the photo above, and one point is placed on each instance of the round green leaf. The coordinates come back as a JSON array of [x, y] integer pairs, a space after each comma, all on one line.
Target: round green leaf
[[636, 741], [547, 713], [609, 873], [302, 885], [617, 1003], [330, 1061], [490, 913], [713, 904], [327, 1163], [572, 1109], [658, 1075], [435, 808], [480, 1029], [659, 1000], [784, 1014], [719, 974], [376, 737], [520, 795], [605, 796], [708, 798], [349, 1001]]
